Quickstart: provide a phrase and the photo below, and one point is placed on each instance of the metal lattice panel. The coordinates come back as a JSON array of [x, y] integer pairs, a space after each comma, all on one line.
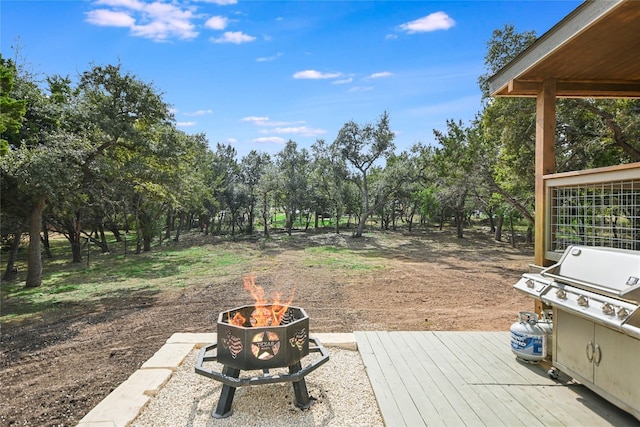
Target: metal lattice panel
[[596, 214]]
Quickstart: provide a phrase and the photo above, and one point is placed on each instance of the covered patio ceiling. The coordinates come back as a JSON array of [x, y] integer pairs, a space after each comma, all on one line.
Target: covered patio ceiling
[[593, 52]]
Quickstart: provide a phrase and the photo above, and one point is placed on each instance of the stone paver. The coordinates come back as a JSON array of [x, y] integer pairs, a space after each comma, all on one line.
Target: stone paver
[[169, 356], [124, 403]]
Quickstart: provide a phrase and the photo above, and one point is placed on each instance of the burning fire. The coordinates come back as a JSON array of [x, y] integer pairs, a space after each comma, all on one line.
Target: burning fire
[[265, 313]]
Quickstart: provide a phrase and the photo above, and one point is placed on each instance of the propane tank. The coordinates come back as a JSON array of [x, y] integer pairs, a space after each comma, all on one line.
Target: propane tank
[[546, 324], [528, 339]]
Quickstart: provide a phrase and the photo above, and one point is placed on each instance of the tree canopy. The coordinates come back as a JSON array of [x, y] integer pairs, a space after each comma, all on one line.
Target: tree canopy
[[102, 153]]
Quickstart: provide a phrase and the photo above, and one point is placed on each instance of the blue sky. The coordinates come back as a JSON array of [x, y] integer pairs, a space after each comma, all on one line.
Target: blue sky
[[255, 74]]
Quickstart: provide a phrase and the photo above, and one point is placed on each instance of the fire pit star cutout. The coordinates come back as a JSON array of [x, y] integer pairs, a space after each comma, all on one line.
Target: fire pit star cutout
[[265, 345]]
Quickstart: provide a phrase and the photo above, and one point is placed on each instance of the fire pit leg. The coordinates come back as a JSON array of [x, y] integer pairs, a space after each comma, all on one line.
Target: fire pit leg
[[303, 401], [226, 395]]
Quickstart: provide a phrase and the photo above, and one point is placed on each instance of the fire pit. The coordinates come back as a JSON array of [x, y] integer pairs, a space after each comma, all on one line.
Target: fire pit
[[261, 336], [248, 347]]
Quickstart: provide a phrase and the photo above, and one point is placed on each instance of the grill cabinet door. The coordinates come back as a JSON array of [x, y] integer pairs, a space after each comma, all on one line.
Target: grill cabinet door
[[572, 337], [618, 373]]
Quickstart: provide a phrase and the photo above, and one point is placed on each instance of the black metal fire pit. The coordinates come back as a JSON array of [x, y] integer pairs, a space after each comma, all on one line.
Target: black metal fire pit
[[243, 346]]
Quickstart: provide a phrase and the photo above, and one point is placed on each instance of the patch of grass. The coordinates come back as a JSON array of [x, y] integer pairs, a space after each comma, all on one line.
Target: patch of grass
[[109, 275], [335, 258]]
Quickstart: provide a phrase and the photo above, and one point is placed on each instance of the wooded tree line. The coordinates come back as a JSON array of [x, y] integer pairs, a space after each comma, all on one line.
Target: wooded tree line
[[103, 154]]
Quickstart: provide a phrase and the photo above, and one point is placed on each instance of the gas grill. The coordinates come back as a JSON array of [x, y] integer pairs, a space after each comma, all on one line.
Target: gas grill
[[595, 296]]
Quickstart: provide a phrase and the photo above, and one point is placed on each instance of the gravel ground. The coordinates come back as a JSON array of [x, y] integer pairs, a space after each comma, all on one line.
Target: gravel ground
[[341, 389]]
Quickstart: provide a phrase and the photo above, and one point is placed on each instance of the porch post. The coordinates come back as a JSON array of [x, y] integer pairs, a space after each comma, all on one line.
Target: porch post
[[545, 161]]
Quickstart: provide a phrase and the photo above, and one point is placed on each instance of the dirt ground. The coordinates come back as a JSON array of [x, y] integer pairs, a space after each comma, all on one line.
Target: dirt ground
[[54, 369]]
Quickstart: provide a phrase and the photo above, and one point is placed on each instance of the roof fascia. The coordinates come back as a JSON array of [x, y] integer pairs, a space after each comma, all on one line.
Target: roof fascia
[[570, 27]]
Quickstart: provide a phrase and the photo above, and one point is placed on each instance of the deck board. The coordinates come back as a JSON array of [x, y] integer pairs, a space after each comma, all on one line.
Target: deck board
[[426, 378], [496, 399]]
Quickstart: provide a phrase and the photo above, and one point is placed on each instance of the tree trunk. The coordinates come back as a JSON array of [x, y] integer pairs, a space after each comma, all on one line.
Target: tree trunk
[[45, 240], [11, 271], [170, 223], [74, 237], [146, 244], [360, 228], [104, 246], [179, 227], [138, 225], [365, 206], [289, 221], [513, 232], [113, 228], [394, 219], [34, 267], [265, 214], [410, 220], [459, 224], [498, 234], [492, 223], [251, 219]]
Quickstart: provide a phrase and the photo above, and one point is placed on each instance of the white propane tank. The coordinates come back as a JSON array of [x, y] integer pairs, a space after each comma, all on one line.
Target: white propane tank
[[528, 340], [546, 324]]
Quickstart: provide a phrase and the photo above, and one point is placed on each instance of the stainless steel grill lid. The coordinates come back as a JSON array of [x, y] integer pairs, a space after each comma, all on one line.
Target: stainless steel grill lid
[[612, 272]]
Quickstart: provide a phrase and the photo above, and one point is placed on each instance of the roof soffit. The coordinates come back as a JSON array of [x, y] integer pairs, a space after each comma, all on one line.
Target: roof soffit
[[593, 52]]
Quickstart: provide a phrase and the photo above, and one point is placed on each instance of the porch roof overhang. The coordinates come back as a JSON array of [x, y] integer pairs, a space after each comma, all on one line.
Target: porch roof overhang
[[592, 53]]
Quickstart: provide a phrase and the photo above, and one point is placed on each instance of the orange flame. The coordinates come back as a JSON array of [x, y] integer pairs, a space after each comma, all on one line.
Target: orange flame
[[266, 314], [237, 320]]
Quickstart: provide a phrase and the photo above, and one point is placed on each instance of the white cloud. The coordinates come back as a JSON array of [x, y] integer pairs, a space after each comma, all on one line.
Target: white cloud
[[266, 121], [109, 18], [282, 128], [199, 113], [270, 140], [432, 22], [219, 2], [315, 75], [185, 124], [380, 75], [301, 130], [236, 37], [128, 4], [231, 140], [343, 81], [391, 36], [360, 89], [156, 20], [217, 23], [269, 58], [256, 120]]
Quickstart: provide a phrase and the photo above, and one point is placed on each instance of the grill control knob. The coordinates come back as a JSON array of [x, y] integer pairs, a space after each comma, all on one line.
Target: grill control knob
[[583, 301], [607, 309], [622, 312], [561, 294], [530, 283]]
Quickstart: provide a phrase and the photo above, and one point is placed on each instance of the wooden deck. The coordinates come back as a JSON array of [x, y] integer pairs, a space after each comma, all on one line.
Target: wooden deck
[[473, 379]]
